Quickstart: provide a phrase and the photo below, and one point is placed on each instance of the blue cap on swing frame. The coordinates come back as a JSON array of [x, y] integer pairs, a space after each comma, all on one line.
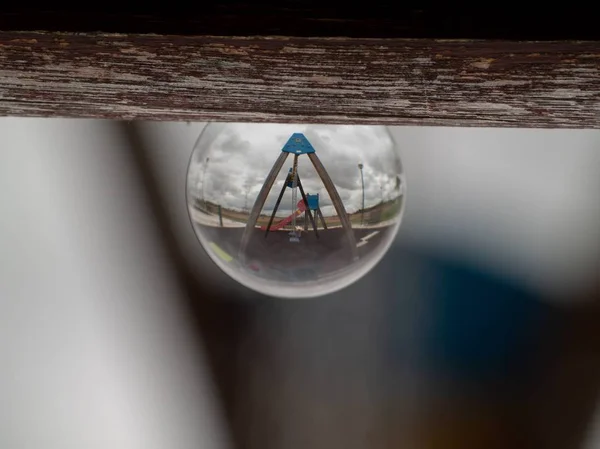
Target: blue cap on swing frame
[[283, 210]]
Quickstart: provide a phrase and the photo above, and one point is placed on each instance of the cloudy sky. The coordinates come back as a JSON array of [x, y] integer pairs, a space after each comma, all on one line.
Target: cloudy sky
[[241, 156]]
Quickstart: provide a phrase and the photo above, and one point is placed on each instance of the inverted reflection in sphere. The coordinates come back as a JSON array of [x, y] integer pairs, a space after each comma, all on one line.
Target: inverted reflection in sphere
[[295, 211]]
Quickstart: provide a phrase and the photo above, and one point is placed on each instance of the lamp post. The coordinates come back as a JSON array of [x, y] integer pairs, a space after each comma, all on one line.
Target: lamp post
[[362, 180]]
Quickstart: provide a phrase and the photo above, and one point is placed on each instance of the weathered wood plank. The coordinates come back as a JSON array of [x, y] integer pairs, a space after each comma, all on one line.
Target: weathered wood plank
[[295, 79]]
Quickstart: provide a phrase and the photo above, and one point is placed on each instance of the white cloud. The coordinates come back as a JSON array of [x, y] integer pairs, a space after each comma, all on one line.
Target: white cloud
[[242, 154]]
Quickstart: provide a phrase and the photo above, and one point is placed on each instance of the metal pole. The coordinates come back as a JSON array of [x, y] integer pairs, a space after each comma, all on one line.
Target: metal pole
[[294, 195], [287, 179], [307, 211], [362, 179]]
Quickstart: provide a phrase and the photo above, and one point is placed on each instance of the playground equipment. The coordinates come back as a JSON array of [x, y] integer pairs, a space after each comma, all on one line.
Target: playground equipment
[[301, 207], [298, 145], [292, 181], [313, 206]]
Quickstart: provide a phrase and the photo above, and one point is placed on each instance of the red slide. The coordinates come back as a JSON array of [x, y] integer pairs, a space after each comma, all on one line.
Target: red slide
[[286, 220]]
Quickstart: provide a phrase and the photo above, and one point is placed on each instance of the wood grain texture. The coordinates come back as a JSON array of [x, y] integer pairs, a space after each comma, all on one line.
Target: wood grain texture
[[301, 79]]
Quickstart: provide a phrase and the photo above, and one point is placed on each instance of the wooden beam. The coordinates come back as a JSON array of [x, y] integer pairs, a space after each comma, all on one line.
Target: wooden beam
[[301, 79]]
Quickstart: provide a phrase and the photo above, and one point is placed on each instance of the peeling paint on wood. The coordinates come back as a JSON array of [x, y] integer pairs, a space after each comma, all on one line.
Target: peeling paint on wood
[[287, 79]]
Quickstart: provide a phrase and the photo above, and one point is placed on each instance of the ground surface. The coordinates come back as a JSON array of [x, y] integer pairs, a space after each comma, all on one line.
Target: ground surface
[[274, 256]]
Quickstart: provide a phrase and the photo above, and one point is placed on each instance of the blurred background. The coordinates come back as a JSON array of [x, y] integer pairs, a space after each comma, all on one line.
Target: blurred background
[[479, 329]]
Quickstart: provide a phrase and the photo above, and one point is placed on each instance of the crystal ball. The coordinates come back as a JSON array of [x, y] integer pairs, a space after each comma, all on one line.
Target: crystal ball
[[295, 211]]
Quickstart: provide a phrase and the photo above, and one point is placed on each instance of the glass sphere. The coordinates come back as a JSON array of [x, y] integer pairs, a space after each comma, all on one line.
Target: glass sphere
[[295, 211]]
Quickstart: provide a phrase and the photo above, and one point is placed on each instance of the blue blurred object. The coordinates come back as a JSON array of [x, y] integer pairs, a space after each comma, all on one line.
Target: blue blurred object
[[482, 327]]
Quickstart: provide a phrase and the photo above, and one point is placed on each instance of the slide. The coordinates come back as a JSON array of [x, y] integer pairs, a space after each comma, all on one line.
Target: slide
[[286, 220]]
